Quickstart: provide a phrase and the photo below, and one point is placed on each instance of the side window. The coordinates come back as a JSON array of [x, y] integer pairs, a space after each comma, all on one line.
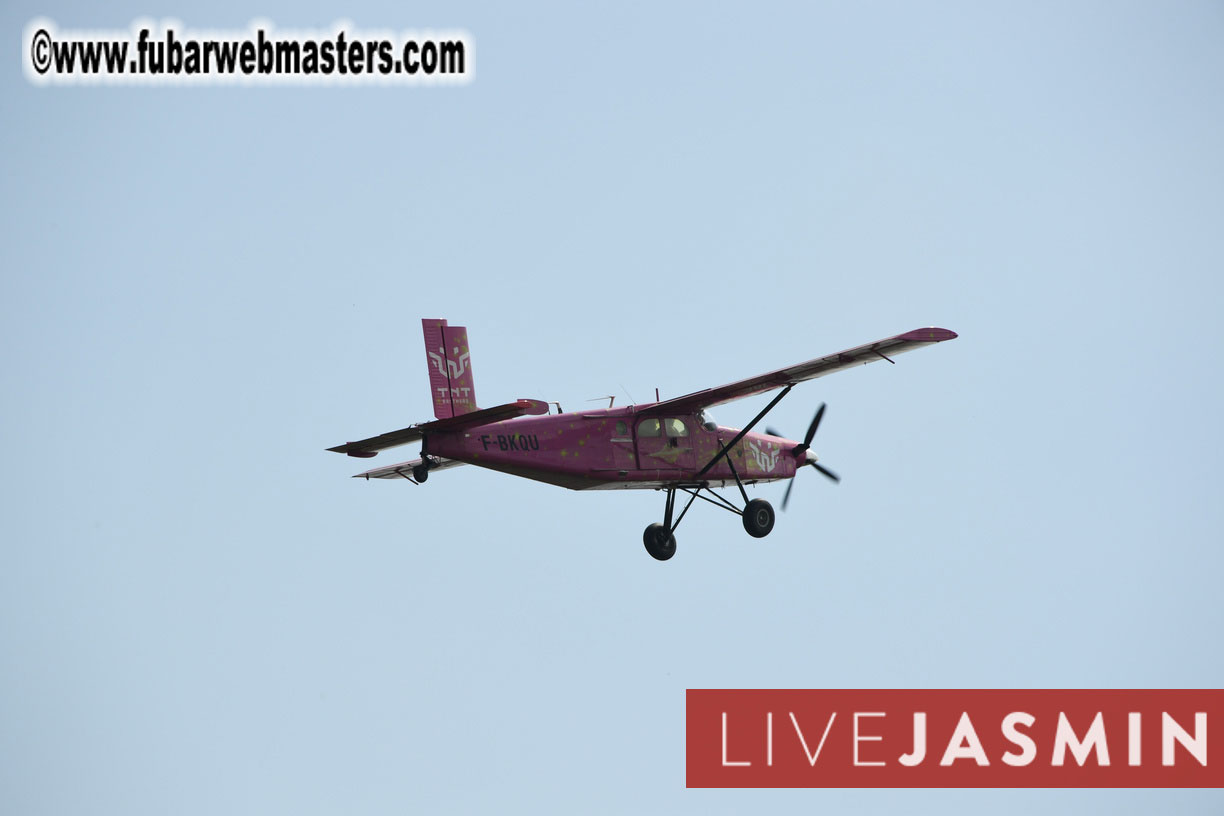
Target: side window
[[649, 427], [621, 428], [675, 427]]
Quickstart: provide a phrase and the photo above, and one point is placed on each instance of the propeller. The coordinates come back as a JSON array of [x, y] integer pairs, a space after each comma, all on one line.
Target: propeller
[[802, 448]]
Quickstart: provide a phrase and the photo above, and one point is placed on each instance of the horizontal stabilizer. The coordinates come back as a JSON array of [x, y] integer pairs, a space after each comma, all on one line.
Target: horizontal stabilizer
[[404, 469], [413, 433]]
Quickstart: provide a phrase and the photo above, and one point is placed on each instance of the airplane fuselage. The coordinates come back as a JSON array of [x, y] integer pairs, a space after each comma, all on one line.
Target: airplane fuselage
[[616, 448]]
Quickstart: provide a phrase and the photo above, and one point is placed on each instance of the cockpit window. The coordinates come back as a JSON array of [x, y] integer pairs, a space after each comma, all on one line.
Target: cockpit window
[[621, 428], [649, 427], [675, 427], [706, 420]]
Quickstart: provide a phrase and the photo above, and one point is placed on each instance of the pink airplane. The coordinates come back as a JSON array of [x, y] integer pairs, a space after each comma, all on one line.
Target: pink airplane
[[672, 445]]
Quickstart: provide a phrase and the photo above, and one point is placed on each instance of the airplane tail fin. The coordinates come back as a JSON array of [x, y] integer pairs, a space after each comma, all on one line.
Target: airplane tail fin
[[450, 369]]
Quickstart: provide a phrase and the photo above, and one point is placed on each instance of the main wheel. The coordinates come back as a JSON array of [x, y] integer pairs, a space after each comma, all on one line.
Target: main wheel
[[420, 472], [758, 518], [659, 543]]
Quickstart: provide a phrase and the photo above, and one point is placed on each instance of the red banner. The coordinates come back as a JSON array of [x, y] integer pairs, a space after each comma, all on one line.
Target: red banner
[[954, 738]]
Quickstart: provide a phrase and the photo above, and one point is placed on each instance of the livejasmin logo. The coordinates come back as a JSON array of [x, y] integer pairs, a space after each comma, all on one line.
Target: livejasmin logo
[[951, 738], [965, 743]]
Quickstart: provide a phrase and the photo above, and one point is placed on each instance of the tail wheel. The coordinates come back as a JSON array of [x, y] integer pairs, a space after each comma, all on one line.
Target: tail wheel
[[659, 543], [758, 518]]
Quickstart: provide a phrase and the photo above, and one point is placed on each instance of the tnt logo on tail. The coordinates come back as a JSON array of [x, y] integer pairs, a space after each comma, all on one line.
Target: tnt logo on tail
[[450, 374], [451, 366]]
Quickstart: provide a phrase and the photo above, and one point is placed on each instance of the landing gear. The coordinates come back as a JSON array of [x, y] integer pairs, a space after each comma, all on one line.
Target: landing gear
[[660, 539], [420, 472], [758, 518], [659, 542]]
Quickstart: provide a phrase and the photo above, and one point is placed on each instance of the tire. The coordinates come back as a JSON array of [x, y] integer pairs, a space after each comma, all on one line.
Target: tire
[[420, 473], [758, 518], [660, 545]]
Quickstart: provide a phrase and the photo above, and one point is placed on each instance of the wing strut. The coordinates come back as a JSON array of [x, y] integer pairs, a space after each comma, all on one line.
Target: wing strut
[[744, 432]]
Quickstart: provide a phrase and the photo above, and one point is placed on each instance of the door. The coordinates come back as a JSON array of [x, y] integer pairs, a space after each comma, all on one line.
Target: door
[[623, 456], [666, 444]]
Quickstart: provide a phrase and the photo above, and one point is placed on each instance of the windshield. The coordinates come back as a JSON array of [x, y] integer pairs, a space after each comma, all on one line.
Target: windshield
[[706, 420]]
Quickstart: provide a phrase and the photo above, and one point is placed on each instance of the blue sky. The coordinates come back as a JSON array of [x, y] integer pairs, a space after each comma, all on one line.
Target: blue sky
[[204, 288]]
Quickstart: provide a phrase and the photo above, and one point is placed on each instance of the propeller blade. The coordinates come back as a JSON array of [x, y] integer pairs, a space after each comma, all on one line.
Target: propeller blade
[[772, 432], [828, 473], [786, 495], [811, 431]]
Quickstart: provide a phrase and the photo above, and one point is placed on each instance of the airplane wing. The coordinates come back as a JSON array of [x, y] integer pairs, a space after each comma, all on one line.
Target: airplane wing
[[404, 469], [879, 350], [366, 448]]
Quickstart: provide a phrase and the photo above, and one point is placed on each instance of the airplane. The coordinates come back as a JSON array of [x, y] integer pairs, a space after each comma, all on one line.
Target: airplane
[[673, 445]]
